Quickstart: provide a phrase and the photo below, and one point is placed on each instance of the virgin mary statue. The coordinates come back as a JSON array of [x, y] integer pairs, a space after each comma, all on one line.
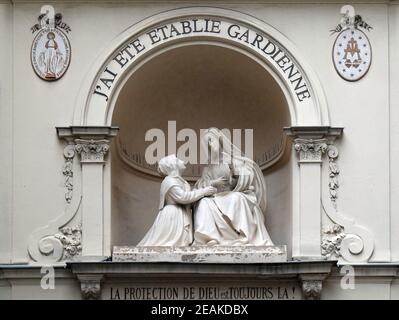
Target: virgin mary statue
[[234, 215]]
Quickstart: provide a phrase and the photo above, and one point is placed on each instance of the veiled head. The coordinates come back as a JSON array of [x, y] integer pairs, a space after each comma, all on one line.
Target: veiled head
[[211, 139], [169, 164], [219, 146]]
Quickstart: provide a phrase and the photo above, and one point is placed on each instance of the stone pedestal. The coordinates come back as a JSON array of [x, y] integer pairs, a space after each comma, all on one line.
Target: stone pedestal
[[201, 254]]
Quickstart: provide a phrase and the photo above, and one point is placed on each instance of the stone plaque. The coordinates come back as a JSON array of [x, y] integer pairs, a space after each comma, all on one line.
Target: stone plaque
[[272, 290]]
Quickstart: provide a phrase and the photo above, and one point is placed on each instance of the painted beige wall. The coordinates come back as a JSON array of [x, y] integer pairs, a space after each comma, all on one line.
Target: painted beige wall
[[368, 192], [6, 137], [394, 129]]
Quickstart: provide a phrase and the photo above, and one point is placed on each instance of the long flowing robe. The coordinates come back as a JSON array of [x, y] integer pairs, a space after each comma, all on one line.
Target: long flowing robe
[[51, 58], [173, 225], [233, 216]]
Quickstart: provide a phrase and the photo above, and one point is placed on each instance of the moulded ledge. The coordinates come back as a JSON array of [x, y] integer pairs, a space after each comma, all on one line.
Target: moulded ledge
[[201, 254]]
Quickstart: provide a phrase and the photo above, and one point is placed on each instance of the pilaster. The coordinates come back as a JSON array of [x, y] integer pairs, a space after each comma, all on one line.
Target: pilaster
[[310, 144], [92, 144]]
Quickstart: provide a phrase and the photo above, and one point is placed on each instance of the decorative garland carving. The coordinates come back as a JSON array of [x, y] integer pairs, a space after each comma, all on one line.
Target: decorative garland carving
[[56, 241], [47, 244], [333, 184], [69, 154], [71, 239], [331, 242]]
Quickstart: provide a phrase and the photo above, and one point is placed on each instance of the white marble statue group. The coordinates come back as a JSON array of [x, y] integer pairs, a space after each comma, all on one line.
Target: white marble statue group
[[225, 206]]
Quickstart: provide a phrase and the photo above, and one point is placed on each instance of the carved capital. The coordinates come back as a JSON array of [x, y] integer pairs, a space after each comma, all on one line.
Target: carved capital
[[310, 149], [311, 142], [90, 286], [92, 150], [311, 289]]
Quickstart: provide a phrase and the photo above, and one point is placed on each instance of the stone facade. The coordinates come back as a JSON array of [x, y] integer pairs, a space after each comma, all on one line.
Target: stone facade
[[71, 189]]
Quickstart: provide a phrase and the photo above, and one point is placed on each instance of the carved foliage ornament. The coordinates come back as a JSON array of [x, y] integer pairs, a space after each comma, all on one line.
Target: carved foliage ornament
[[92, 150], [310, 149], [67, 171], [352, 50], [91, 289], [71, 239], [311, 289], [331, 243], [344, 238], [59, 240]]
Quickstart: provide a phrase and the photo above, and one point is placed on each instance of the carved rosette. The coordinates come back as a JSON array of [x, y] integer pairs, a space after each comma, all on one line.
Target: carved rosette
[[310, 149], [92, 150], [311, 289]]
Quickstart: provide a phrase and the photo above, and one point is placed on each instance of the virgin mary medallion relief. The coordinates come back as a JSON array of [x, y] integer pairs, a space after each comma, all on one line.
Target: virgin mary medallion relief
[[51, 50]]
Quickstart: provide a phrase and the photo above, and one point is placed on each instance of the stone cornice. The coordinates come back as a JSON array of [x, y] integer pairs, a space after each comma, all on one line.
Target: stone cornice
[[310, 275], [67, 270], [87, 132], [313, 132], [198, 270]]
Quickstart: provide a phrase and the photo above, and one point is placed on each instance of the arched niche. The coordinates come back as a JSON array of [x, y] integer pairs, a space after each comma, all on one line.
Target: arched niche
[[198, 85], [94, 109], [94, 114]]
